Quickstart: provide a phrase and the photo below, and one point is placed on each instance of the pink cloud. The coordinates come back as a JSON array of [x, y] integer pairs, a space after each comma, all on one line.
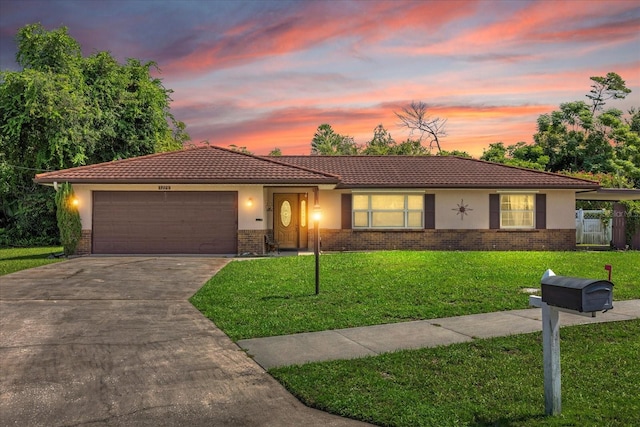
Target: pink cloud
[[312, 24], [564, 22]]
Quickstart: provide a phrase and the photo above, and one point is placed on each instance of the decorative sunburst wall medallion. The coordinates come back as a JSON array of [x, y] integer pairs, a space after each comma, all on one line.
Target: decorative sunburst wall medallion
[[462, 209]]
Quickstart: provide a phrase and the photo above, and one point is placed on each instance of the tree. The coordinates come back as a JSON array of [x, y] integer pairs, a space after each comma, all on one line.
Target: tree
[[329, 143], [416, 119], [606, 180], [603, 88], [520, 154], [456, 153], [53, 51], [590, 138], [382, 143], [410, 147], [62, 110], [634, 120], [527, 156], [131, 109], [276, 152], [496, 153]]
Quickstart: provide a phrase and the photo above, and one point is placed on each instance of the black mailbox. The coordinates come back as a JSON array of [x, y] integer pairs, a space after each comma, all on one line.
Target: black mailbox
[[574, 293]]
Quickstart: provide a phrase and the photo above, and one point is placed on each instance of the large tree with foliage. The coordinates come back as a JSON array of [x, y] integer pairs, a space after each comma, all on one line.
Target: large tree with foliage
[[520, 154], [64, 110], [383, 144], [587, 137], [610, 86], [329, 143]]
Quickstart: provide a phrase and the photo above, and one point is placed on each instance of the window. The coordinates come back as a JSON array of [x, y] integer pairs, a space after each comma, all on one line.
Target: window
[[517, 210], [388, 210]]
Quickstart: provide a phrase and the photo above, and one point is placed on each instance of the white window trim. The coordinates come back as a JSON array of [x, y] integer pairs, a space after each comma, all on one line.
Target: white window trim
[[406, 211]]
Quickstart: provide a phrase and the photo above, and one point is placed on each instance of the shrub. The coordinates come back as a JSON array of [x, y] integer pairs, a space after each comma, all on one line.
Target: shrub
[[68, 218]]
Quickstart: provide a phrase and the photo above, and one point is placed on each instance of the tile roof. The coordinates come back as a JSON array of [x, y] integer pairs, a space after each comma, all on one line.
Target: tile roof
[[215, 165], [200, 165], [432, 172]]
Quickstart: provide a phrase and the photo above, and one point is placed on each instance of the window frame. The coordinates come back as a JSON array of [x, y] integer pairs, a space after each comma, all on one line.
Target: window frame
[[532, 211], [370, 211]]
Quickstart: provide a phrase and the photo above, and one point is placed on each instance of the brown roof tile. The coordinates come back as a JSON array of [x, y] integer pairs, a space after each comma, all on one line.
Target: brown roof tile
[[431, 172], [206, 164], [217, 165]]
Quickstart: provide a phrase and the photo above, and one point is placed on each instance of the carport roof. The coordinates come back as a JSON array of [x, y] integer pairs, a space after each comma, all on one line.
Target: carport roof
[[215, 165], [610, 194], [199, 165]]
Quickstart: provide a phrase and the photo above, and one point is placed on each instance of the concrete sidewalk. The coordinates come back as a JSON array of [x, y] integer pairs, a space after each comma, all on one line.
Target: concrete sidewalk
[[372, 340]]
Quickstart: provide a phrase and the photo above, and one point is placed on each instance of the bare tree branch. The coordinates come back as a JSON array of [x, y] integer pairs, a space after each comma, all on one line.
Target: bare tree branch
[[416, 119]]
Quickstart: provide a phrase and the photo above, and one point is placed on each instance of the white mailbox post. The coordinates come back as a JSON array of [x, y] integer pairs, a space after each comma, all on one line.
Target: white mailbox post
[[572, 295], [550, 352]]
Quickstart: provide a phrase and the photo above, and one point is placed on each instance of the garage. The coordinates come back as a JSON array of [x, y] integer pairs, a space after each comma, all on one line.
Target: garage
[[165, 222]]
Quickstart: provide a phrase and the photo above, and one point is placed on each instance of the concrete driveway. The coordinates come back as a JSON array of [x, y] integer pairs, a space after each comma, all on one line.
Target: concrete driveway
[[114, 341]]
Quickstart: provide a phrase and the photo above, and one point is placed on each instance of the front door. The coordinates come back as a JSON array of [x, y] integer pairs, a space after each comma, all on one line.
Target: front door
[[290, 220]]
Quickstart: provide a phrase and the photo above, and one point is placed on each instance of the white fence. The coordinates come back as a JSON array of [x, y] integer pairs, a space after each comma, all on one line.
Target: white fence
[[592, 228]]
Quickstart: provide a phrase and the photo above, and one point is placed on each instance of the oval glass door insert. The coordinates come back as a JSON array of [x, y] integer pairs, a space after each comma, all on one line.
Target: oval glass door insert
[[285, 213]]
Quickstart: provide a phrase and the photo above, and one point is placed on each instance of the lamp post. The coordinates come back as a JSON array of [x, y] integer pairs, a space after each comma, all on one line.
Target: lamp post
[[317, 214]]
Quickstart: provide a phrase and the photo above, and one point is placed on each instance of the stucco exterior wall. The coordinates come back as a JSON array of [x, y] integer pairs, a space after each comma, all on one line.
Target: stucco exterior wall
[[448, 215], [561, 209], [85, 205], [331, 206]]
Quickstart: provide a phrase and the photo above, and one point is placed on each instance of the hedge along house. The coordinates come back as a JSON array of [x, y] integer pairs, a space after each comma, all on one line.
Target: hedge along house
[[210, 200]]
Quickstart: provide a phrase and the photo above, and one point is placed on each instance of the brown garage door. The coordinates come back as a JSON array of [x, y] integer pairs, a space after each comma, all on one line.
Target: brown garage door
[[144, 222]]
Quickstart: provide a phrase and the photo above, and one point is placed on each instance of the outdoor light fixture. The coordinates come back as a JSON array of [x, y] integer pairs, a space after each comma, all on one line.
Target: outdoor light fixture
[[317, 215], [250, 202], [75, 202]]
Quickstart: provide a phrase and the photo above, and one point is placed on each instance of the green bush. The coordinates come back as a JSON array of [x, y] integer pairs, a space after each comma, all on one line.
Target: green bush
[[29, 220], [68, 218]]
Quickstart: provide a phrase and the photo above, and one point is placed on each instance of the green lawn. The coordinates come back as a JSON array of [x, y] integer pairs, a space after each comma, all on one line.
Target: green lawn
[[492, 382], [275, 296], [16, 259]]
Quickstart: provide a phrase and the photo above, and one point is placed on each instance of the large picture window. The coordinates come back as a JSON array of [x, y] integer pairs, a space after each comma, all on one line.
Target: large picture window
[[388, 210], [517, 210]]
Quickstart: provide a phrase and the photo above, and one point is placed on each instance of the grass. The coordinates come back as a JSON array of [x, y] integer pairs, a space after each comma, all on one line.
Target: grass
[[491, 382], [16, 259], [275, 296]]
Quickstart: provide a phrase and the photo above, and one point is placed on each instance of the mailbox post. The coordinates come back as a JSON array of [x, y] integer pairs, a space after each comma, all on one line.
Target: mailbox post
[[573, 295], [551, 359]]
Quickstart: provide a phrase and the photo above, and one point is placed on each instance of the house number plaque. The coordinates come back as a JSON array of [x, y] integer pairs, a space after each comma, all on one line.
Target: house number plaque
[[164, 187]]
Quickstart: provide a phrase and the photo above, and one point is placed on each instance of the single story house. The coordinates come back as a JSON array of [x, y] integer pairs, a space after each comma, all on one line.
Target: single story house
[[211, 200]]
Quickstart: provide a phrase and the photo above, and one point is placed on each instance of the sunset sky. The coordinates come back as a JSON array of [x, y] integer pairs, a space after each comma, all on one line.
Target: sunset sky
[[266, 74]]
